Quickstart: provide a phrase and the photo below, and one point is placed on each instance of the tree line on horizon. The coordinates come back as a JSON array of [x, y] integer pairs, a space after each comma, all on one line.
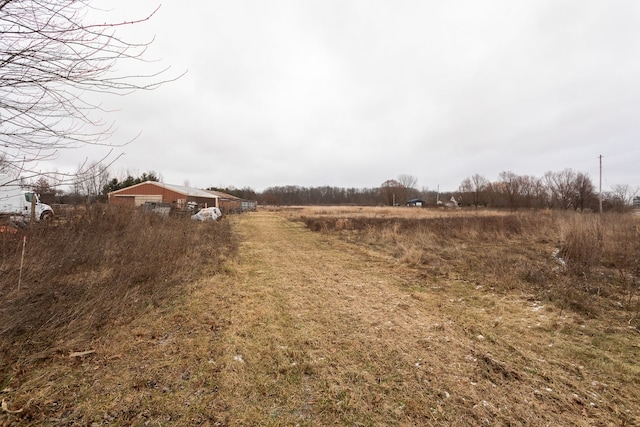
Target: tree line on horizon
[[565, 190]]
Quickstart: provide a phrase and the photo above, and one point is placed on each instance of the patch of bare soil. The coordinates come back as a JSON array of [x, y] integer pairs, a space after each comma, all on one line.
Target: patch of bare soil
[[306, 329]]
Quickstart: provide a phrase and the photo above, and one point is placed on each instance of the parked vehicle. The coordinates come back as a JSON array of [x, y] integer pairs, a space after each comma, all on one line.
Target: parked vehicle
[[16, 202], [207, 214]]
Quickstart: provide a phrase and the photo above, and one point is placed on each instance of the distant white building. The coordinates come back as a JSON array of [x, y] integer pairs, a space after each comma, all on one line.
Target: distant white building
[[636, 202]]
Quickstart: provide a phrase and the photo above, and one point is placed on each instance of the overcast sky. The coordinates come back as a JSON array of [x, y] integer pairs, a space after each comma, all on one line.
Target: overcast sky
[[352, 93]]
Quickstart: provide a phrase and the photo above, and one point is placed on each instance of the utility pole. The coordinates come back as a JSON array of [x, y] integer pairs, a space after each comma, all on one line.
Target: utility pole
[[600, 196]]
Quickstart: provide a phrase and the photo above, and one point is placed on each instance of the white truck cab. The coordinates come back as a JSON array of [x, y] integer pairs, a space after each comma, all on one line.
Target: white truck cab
[[16, 202]]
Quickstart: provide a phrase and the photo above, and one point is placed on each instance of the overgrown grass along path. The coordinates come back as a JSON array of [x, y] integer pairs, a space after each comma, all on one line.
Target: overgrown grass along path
[[305, 329], [322, 332]]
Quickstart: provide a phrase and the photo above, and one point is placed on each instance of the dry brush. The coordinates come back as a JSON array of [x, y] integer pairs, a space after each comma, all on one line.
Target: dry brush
[[95, 269], [585, 262]]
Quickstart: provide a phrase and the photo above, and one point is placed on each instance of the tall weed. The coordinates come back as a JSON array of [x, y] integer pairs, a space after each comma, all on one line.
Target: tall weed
[[582, 247], [95, 268], [583, 262]]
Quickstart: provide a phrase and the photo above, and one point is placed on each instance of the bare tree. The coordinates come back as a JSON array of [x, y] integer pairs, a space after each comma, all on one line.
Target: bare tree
[[584, 191], [510, 185], [529, 190], [390, 190], [625, 193], [561, 186], [90, 179], [408, 190], [570, 189], [541, 194], [408, 181], [45, 188], [476, 185], [51, 60]]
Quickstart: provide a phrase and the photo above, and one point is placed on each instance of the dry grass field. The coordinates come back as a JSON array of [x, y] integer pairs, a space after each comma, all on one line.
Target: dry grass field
[[328, 316], [73, 308]]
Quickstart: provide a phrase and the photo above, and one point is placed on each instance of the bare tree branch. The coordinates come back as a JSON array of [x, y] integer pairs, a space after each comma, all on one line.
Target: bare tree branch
[[51, 60]]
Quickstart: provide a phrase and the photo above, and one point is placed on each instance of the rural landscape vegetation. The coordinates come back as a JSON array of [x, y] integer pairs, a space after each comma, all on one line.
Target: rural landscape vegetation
[[510, 300], [564, 190], [323, 316]]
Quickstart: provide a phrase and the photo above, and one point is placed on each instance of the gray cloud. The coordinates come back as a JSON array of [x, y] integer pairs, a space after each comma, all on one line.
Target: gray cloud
[[351, 93]]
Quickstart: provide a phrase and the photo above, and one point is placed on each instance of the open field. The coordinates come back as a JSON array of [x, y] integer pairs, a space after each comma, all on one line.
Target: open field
[[346, 317]]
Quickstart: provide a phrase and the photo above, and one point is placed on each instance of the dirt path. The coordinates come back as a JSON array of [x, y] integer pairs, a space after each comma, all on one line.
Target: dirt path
[[322, 332], [319, 332]]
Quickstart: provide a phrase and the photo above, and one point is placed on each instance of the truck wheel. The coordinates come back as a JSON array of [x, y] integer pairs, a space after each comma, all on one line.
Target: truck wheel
[[46, 217]]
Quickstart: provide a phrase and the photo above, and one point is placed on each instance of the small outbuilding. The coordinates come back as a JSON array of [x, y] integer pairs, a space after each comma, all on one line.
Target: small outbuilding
[[231, 204], [178, 196], [416, 203]]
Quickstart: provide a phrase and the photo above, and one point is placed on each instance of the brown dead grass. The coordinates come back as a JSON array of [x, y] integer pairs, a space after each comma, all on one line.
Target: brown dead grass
[[588, 263], [97, 272], [589, 301], [343, 328]]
